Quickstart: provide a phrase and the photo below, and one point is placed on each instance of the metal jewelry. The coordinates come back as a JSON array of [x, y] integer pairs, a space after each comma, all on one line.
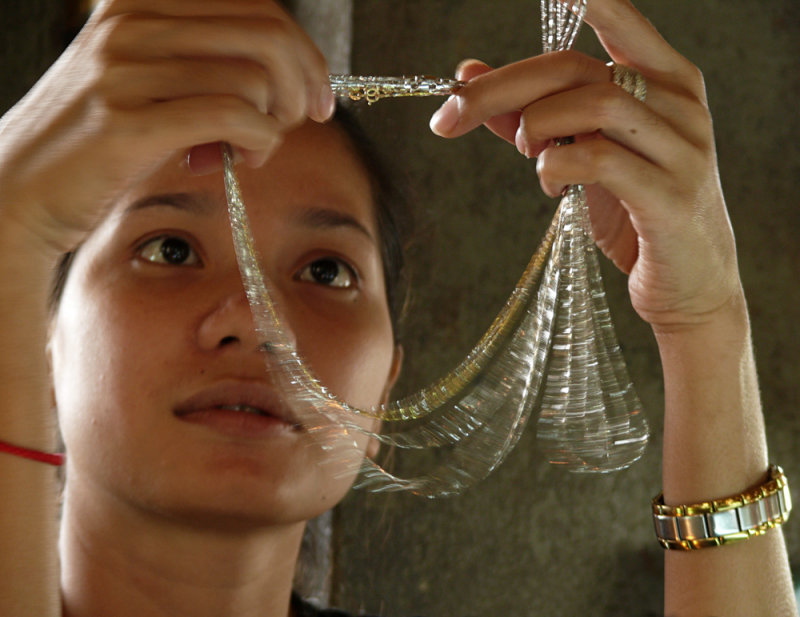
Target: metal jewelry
[[373, 89], [630, 80]]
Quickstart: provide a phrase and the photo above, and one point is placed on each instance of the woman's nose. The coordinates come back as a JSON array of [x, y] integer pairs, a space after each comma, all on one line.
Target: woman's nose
[[230, 323]]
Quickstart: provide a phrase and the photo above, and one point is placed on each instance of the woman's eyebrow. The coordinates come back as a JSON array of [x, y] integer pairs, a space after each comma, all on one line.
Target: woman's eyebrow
[[196, 203], [316, 217], [329, 218]]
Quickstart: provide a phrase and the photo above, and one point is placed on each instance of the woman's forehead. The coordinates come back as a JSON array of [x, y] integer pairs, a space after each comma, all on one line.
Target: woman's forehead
[[314, 167]]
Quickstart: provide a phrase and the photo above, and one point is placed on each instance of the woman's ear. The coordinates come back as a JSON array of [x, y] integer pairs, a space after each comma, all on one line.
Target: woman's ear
[[394, 372], [48, 351], [373, 445]]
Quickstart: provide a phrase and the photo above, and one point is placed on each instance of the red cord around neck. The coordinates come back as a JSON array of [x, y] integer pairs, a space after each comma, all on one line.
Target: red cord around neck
[[56, 459]]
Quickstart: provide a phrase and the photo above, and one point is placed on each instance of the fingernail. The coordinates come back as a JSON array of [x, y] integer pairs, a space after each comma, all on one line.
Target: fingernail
[[522, 143], [205, 159], [274, 144], [446, 117], [326, 103], [462, 65]]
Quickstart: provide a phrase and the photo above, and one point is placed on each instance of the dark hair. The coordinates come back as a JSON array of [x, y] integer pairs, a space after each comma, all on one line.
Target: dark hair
[[59, 280], [392, 212]]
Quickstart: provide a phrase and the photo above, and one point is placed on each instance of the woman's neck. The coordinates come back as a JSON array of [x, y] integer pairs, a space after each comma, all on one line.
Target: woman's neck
[[120, 561]]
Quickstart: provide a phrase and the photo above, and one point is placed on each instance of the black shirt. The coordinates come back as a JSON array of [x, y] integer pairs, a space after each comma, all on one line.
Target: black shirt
[[304, 609]]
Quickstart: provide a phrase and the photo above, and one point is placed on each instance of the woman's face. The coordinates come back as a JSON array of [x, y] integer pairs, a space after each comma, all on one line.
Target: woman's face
[[156, 369]]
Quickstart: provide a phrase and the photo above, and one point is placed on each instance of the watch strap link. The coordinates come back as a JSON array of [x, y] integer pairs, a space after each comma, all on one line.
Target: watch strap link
[[727, 520]]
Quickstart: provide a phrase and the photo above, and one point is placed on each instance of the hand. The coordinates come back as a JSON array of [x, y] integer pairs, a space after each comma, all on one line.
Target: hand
[[650, 168], [144, 79]]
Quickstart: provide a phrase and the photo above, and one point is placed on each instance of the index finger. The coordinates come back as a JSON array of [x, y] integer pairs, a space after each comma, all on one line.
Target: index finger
[[283, 46], [513, 87]]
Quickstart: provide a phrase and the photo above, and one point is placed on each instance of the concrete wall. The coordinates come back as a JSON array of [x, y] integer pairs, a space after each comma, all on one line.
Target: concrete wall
[[31, 36], [329, 23], [532, 540]]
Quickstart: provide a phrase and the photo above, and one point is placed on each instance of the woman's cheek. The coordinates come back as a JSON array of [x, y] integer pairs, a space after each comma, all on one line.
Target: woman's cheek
[[351, 352]]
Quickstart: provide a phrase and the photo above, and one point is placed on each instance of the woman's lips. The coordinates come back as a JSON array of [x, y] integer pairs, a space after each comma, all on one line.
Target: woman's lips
[[237, 424], [238, 408]]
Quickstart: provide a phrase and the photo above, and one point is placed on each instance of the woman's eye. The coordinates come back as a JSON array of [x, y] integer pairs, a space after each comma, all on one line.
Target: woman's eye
[[329, 272], [170, 250]]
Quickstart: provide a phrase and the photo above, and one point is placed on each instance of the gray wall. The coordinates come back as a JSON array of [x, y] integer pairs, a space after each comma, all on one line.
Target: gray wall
[[533, 540]]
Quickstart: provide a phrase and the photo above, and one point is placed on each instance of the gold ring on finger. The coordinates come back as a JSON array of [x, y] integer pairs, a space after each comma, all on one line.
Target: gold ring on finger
[[630, 80]]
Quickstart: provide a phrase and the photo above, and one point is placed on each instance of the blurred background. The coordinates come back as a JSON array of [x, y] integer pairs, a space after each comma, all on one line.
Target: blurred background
[[531, 539]]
